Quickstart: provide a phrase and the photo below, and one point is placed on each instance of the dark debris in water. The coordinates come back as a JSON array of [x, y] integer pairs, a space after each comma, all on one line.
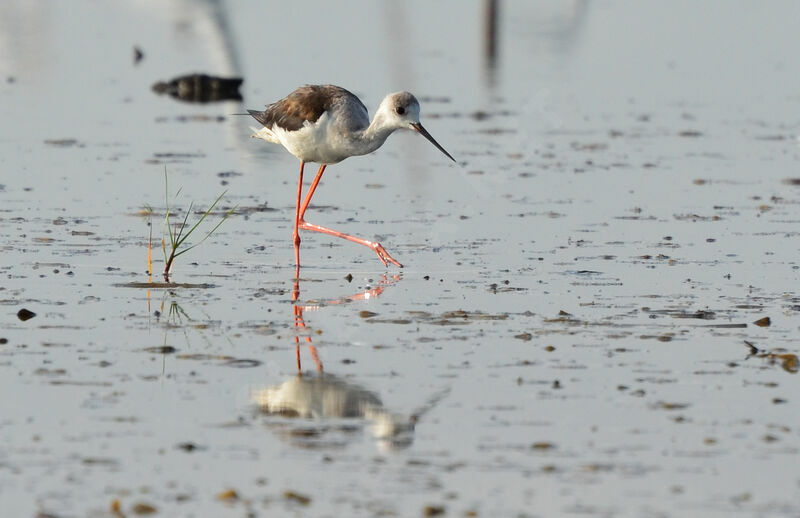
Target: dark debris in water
[[25, 314], [242, 363], [496, 288], [201, 88], [143, 508], [447, 318], [696, 217], [254, 209], [227, 361], [64, 142], [433, 510], [164, 285], [701, 314], [161, 349], [664, 405], [189, 446]]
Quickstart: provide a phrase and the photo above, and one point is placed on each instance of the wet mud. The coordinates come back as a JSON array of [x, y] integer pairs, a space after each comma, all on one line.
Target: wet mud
[[597, 316]]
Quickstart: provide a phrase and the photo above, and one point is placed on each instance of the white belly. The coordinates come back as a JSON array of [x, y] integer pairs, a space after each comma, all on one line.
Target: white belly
[[318, 142]]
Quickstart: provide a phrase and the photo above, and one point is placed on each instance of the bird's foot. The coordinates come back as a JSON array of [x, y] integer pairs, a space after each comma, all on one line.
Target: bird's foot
[[384, 256]]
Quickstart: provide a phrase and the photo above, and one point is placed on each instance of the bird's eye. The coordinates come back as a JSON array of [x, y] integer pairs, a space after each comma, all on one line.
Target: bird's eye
[[400, 110]]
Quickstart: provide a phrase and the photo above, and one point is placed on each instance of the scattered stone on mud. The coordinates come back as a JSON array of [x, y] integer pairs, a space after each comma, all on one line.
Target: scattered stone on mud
[[349, 277], [763, 322], [229, 495], [367, 314], [433, 510], [525, 337], [664, 405], [294, 496], [25, 314], [142, 508]]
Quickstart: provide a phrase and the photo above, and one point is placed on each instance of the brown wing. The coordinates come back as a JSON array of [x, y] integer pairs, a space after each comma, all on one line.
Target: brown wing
[[307, 103]]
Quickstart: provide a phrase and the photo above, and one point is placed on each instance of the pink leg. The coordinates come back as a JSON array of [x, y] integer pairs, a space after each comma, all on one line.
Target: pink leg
[[383, 255], [310, 192], [297, 218]]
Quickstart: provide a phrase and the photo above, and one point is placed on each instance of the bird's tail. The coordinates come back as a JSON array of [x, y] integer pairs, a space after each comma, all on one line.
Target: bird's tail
[[263, 134]]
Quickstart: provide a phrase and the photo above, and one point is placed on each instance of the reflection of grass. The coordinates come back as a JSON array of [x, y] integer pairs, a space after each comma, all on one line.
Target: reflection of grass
[[176, 314], [181, 232]]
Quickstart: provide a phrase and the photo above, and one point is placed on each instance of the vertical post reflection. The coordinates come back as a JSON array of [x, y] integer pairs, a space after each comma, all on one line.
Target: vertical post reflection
[[490, 48]]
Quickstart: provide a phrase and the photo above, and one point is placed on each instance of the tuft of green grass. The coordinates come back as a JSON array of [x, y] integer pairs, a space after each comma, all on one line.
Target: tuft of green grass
[[178, 234]]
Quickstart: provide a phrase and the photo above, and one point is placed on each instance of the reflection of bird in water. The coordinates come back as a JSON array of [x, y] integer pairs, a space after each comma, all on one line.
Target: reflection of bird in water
[[326, 124], [324, 396]]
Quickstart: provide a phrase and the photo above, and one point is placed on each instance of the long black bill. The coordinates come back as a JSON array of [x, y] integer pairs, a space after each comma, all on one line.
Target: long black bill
[[422, 131]]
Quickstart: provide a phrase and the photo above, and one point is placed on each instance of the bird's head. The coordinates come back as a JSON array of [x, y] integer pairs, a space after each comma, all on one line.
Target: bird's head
[[400, 110]]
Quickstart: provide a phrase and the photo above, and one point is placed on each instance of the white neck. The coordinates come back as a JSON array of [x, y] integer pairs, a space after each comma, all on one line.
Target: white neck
[[374, 135]]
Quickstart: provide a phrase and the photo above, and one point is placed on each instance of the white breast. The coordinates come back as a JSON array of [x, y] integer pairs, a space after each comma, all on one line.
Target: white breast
[[319, 142]]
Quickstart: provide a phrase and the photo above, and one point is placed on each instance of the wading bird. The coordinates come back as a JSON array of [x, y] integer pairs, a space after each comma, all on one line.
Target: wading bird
[[326, 124]]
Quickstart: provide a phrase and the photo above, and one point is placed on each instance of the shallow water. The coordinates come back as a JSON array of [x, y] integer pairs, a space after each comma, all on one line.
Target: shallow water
[[574, 332]]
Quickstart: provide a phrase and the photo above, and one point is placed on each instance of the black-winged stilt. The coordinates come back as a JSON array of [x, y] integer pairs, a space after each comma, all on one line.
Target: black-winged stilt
[[326, 124]]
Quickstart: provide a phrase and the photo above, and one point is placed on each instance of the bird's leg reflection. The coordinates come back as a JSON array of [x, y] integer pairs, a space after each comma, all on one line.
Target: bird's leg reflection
[[300, 323]]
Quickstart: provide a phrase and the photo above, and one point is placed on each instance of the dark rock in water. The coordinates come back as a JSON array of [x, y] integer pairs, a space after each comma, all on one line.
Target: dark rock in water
[[25, 314], [349, 277], [201, 88]]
